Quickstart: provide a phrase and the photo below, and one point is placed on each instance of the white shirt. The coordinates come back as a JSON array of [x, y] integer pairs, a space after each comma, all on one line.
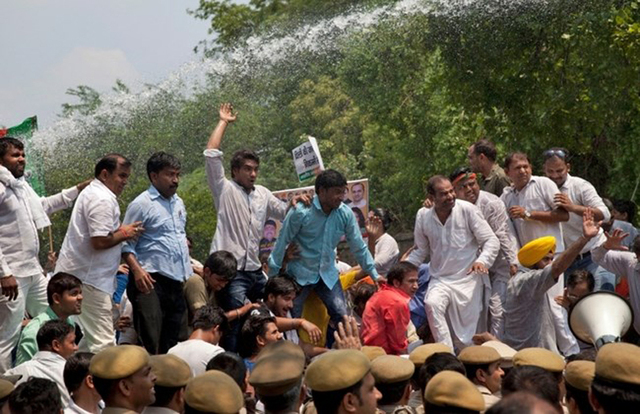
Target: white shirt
[[386, 253], [453, 246], [494, 211], [96, 214], [581, 192], [73, 408], [197, 353], [19, 243], [537, 195], [44, 364], [624, 264], [240, 216]]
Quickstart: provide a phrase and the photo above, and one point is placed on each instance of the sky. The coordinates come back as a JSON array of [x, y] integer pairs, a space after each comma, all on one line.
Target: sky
[[49, 46]]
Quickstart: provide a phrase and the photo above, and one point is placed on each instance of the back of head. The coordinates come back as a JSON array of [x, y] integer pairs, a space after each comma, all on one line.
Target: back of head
[[54, 330], [329, 179], [485, 147], [384, 216], [223, 264], [231, 364], [534, 380], [61, 282], [76, 370], [110, 163], [399, 271], [438, 362], [625, 206], [161, 160], [208, 317], [581, 276], [36, 396], [9, 142], [522, 403]]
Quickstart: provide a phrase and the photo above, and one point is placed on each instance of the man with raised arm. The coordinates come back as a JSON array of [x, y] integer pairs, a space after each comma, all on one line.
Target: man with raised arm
[[242, 209], [22, 214], [452, 234], [535, 213]]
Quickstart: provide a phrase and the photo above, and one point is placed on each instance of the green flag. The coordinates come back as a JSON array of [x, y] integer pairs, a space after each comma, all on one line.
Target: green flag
[[24, 132]]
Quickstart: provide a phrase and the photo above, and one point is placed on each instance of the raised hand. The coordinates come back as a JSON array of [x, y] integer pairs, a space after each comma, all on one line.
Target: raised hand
[[614, 240], [227, 114], [590, 228], [347, 335], [374, 227]]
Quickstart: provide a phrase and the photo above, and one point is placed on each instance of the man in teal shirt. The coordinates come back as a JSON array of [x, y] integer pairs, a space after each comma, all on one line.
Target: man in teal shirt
[[317, 230], [64, 294]]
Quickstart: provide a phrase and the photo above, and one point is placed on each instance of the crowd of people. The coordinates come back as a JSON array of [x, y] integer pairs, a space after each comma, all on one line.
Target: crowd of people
[[472, 318]]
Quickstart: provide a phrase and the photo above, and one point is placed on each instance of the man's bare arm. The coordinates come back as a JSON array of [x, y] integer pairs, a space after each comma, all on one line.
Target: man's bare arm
[[227, 116]]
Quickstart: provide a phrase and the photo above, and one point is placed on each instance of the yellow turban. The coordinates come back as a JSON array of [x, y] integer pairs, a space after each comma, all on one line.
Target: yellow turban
[[534, 251]]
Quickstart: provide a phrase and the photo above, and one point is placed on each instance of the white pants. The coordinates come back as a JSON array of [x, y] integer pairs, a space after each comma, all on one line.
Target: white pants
[[566, 342], [458, 304], [32, 297], [96, 320]]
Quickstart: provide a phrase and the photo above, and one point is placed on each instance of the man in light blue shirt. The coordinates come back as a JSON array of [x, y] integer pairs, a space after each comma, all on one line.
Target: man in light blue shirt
[[159, 259], [317, 230]]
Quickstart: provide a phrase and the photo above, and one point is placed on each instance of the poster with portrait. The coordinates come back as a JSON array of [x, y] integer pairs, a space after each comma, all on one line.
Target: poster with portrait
[[356, 197]]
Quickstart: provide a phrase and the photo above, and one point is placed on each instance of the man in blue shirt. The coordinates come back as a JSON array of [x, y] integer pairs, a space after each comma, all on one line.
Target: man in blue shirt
[[317, 230], [158, 260]]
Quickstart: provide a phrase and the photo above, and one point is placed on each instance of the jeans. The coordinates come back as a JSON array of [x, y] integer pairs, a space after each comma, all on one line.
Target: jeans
[[158, 316], [332, 298], [604, 280], [247, 285]]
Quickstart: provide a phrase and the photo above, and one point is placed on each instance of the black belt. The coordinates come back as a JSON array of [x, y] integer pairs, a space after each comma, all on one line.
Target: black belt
[[584, 255]]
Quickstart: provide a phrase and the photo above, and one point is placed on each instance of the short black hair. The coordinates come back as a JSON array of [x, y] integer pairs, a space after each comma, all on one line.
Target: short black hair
[[384, 216], [433, 181], [283, 402], [239, 158], [535, 380], [52, 330], [521, 402], [161, 160], [8, 142], [580, 276], [363, 292], [485, 147], [208, 317], [437, 409], [472, 369], [36, 396], [329, 179], [440, 361], [514, 156], [328, 402], [76, 370], [626, 206], [255, 325], [223, 264], [615, 397], [391, 392], [281, 285], [457, 172], [61, 282], [231, 364], [399, 270], [110, 162], [164, 395], [580, 397]]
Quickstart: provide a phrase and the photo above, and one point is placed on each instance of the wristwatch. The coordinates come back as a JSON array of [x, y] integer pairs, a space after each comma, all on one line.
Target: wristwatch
[[527, 215]]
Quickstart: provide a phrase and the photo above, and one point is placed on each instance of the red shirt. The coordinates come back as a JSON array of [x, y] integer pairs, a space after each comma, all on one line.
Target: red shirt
[[385, 320]]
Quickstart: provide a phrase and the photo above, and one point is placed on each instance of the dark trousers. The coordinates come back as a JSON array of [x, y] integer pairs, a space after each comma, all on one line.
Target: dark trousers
[[247, 285], [158, 316]]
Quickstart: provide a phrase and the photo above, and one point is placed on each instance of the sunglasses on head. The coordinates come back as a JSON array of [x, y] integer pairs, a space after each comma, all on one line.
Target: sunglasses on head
[[554, 153]]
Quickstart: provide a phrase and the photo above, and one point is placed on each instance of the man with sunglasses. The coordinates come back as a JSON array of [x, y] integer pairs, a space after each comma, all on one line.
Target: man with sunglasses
[[575, 196]]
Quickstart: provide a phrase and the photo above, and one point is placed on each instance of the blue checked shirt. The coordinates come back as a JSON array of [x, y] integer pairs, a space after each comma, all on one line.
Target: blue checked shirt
[[317, 235], [162, 248]]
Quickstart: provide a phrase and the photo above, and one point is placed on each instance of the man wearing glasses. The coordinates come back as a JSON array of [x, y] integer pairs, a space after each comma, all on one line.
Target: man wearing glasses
[[575, 196]]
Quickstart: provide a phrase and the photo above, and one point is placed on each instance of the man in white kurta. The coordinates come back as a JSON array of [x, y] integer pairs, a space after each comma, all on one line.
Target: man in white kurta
[[576, 195], [534, 214], [22, 215], [451, 234], [494, 211]]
